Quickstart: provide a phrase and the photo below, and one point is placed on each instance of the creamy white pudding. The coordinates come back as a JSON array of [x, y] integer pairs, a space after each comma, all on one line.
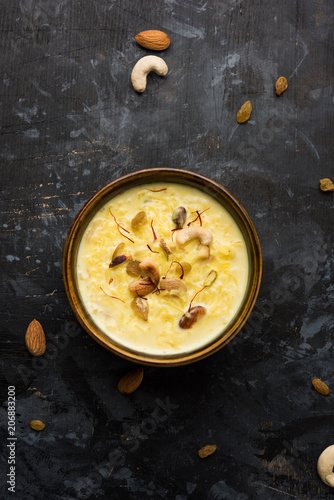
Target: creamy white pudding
[[209, 250]]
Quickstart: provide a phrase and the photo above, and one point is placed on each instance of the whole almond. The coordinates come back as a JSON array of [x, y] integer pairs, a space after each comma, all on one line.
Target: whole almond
[[207, 450], [320, 386], [37, 425], [153, 40], [131, 381], [35, 338]]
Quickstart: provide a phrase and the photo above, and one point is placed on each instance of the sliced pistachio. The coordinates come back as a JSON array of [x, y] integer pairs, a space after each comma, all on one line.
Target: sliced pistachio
[[140, 307], [172, 284], [132, 268], [138, 220], [211, 278], [191, 317], [179, 216], [118, 250], [120, 259]]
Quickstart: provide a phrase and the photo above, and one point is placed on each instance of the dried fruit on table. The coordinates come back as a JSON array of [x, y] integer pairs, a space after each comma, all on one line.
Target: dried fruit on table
[[320, 386], [37, 425], [131, 381], [207, 450], [35, 338], [153, 39], [326, 185], [281, 85], [244, 112]]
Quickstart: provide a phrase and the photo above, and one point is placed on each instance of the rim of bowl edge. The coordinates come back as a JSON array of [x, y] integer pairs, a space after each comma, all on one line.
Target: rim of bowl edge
[[187, 357]]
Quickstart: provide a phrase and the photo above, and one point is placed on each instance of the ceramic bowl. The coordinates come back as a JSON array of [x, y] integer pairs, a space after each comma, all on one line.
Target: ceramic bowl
[[165, 175]]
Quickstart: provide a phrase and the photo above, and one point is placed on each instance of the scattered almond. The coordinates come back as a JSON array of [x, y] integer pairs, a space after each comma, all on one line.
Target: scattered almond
[[153, 39], [326, 185], [320, 386], [37, 425], [207, 450], [191, 317], [281, 85], [35, 338], [244, 112], [131, 381]]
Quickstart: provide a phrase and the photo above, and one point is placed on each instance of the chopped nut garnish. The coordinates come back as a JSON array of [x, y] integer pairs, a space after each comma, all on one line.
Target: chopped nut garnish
[[150, 278], [120, 259], [172, 285], [140, 307], [211, 278], [191, 317], [179, 216], [165, 247], [118, 250], [203, 251], [138, 220], [132, 268]]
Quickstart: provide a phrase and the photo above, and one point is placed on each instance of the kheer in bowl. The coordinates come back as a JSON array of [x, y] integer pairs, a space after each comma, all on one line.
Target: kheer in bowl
[[162, 266]]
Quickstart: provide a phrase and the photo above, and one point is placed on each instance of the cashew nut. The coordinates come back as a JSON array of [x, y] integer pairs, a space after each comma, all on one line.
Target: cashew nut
[[325, 466], [173, 285], [191, 232], [203, 251], [150, 278], [143, 67], [150, 269]]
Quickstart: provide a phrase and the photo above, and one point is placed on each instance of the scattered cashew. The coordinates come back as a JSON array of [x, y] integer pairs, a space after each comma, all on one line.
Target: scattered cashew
[[191, 232], [143, 67], [150, 269], [172, 285], [203, 251], [325, 466], [150, 278]]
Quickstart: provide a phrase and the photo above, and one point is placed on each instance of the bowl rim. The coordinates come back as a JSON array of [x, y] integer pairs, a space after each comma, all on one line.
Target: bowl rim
[[145, 174]]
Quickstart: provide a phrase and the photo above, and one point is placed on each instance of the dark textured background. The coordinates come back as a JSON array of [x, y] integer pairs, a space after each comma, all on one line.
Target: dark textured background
[[71, 122]]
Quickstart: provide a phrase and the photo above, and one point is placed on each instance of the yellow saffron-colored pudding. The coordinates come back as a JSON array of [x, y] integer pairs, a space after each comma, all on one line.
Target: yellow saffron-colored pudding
[[104, 290]]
